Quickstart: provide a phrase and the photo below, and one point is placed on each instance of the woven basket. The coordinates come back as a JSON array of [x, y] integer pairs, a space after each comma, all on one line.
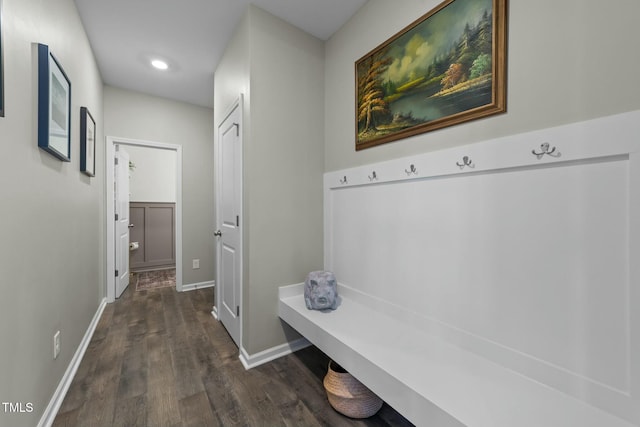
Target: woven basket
[[349, 396]]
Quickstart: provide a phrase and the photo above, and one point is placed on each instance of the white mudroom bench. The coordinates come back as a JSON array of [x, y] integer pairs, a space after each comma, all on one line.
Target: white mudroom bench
[[490, 285], [428, 380]]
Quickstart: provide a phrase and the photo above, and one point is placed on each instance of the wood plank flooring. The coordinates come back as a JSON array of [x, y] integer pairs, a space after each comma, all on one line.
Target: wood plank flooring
[[158, 358]]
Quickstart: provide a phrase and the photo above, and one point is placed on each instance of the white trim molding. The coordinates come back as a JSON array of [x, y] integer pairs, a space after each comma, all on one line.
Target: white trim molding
[[200, 285], [53, 407], [253, 360]]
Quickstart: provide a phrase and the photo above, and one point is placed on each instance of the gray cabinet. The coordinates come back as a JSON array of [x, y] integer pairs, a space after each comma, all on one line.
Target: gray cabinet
[[153, 227]]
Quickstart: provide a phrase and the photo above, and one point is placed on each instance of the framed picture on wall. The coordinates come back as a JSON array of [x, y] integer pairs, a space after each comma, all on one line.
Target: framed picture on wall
[[54, 106], [445, 68], [1, 67], [87, 142]]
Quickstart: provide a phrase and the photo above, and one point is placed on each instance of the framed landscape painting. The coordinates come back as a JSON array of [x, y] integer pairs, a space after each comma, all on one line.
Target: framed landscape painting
[[87, 142], [445, 68], [54, 106]]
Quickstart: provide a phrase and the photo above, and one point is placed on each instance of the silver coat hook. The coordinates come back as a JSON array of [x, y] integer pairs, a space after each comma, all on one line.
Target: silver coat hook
[[466, 161], [544, 149], [343, 180], [373, 176], [412, 170]]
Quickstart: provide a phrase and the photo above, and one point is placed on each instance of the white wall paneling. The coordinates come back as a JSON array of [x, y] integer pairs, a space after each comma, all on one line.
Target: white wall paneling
[[524, 259]]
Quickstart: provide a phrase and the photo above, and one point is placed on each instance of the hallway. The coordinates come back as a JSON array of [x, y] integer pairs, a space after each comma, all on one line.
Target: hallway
[[158, 358]]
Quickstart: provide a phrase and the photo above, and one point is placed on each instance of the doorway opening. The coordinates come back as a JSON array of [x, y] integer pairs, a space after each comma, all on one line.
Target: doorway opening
[[113, 144]]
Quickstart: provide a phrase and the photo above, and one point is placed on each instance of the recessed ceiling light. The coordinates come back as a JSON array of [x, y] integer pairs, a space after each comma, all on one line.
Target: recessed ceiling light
[[159, 64]]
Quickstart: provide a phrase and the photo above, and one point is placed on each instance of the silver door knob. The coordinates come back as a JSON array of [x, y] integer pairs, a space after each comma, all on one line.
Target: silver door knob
[[218, 233], [131, 225]]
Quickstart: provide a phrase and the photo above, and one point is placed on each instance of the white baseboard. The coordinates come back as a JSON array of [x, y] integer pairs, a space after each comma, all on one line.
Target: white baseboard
[[251, 361], [201, 285], [56, 400]]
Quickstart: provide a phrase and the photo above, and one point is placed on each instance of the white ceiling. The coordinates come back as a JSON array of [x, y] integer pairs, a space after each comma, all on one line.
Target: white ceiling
[[190, 35]]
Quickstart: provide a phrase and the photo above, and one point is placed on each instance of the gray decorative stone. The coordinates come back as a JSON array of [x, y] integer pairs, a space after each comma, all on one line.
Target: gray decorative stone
[[321, 291]]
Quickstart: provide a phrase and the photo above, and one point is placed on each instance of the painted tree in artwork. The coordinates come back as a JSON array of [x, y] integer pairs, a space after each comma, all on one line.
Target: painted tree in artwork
[[471, 56], [481, 65], [453, 76], [371, 102]]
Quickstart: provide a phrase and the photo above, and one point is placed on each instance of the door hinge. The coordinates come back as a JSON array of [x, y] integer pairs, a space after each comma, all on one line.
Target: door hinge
[[237, 220], [116, 161], [117, 217], [238, 310], [117, 273]]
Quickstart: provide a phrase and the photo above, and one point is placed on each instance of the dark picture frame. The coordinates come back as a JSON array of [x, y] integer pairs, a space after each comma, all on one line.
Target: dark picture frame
[[87, 142], [1, 66], [445, 68], [54, 106]]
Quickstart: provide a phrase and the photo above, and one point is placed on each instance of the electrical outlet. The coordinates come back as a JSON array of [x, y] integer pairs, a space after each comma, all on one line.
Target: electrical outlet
[[56, 345], [196, 264]]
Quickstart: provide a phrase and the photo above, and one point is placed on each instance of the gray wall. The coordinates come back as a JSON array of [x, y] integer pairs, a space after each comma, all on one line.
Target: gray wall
[[280, 70], [133, 115], [568, 61], [51, 250]]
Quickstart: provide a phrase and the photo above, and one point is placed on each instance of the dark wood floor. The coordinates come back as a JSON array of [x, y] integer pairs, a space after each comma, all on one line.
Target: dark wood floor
[[158, 358]]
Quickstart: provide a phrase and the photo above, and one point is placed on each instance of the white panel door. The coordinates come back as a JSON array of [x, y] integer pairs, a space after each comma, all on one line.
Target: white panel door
[[122, 221], [229, 199]]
